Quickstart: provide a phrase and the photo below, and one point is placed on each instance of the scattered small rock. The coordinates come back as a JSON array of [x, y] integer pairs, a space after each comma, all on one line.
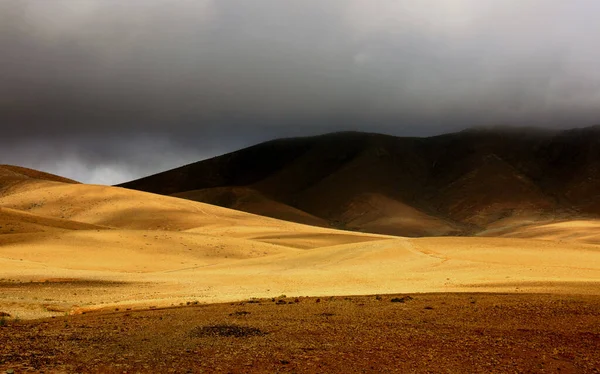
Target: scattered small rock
[[4, 314], [401, 299], [284, 362], [428, 307]]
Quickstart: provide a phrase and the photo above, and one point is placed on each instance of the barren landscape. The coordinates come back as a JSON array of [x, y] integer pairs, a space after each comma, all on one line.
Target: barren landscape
[[308, 186], [424, 333], [69, 247], [108, 279]]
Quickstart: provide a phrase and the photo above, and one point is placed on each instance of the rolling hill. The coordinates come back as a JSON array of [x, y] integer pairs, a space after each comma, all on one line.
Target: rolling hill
[[67, 247], [454, 184]]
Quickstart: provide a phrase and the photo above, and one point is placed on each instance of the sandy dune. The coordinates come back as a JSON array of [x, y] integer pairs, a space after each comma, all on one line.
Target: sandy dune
[[69, 247]]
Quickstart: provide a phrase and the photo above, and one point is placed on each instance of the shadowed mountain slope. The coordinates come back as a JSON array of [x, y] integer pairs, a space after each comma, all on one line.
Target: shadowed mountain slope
[[451, 184]]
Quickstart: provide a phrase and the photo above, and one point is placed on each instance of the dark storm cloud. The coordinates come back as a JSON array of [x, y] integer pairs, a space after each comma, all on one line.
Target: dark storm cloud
[[201, 77], [110, 159]]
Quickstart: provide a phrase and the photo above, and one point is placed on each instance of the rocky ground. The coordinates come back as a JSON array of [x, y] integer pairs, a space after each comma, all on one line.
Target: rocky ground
[[454, 333]]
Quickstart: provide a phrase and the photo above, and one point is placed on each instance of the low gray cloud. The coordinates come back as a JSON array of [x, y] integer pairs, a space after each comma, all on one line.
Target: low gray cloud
[[111, 159], [202, 77]]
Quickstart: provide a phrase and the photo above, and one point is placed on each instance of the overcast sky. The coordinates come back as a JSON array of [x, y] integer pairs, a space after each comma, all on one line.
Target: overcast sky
[[104, 91]]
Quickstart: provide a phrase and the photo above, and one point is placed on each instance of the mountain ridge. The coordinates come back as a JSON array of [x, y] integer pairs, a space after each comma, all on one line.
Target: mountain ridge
[[454, 184]]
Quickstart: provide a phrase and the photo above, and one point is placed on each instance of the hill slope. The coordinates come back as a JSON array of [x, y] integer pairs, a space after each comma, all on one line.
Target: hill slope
[[16, 178], [67, 247], [452, 184]]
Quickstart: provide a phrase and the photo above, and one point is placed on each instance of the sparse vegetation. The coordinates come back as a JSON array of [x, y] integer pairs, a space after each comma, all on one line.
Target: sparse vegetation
[[225, 331], [239, 313]]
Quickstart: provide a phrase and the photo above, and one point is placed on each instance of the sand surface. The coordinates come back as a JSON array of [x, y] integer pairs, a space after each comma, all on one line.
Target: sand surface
[[68, 248]]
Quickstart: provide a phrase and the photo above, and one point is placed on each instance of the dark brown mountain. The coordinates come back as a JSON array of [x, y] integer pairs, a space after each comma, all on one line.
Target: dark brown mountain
[[453, 184]]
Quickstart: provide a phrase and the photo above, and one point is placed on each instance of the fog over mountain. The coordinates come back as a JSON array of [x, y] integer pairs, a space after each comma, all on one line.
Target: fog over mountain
[[105, 91]]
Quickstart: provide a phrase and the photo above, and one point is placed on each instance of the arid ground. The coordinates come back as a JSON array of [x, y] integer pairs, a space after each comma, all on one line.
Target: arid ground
[[435, 333], [91, 261]]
